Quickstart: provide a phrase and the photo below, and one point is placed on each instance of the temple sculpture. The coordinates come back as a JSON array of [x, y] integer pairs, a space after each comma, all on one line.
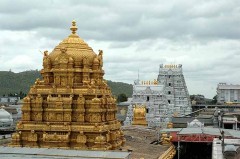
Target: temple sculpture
[[139, 117], [72, 106]]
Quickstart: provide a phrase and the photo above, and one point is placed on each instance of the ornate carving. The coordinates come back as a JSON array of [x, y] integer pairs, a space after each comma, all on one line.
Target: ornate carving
[[139, 117], [32, 137], [100, 58], [46, 60], [73, 106], [55, 137], [81, 138], [85, 62], [166, 139], [16, 139], [39, 100]]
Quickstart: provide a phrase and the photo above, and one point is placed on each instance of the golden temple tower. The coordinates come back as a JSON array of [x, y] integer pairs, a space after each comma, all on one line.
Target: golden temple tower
[[72, 107]]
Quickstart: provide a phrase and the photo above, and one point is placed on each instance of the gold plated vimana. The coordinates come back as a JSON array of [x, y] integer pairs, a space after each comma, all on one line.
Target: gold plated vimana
[[72, 107]]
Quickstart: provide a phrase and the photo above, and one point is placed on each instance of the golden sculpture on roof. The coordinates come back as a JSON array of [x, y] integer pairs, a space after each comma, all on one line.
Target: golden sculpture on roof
[[154, 82], [72, 106], [139, 115], [171, 66]]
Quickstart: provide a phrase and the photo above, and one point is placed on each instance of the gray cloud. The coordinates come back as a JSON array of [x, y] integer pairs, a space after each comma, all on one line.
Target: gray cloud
[[135, 35], [112, 21]]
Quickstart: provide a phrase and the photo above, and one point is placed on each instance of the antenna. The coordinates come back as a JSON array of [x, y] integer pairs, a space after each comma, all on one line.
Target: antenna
[[138, 74]]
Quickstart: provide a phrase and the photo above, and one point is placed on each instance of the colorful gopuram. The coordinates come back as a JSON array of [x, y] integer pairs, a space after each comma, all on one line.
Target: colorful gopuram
[[72, 106]]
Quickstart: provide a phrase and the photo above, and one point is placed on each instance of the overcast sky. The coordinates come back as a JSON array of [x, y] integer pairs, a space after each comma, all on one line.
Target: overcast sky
[[202, 35]]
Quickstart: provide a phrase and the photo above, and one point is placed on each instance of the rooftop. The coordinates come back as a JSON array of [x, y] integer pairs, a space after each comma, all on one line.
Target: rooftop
[[206, 130], [217, 147], [229, 86]]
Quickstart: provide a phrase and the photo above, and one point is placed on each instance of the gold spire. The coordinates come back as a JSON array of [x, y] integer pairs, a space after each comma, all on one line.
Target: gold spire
[[73, 27]]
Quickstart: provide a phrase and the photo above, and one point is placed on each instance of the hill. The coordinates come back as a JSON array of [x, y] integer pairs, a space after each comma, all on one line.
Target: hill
[[11, 82], [120, 87]]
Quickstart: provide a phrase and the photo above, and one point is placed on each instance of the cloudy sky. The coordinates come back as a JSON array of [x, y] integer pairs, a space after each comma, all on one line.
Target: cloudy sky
[[202, 35]]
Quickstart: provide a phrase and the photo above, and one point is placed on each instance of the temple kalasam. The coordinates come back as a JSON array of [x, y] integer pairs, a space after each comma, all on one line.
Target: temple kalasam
[[72, 107]]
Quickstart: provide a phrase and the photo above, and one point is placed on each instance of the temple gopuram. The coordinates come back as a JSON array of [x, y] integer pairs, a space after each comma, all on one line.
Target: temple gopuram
[[72, 107]]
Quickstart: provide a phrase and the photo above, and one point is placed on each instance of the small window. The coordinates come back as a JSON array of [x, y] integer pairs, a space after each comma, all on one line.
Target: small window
[[147, 110], [170, 84], [147, 98], [169, 102], [169, 92]]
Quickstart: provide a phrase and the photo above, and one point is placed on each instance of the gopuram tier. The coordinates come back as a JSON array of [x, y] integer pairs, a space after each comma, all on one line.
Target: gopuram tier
[[72, 106]]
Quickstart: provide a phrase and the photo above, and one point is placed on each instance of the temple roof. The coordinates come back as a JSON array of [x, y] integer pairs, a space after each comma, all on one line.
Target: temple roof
[[74, 46], [4, 115]]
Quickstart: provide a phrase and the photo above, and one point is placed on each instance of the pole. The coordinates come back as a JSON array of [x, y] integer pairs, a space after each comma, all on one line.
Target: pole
[[178, 148], [223, 146]]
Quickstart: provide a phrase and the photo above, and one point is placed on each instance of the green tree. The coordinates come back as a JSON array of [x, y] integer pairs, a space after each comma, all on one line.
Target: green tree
[[214, 100], [21, 94], [192, 97], [122, 98]]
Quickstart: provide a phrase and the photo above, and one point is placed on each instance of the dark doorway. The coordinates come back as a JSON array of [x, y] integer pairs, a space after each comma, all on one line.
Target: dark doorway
[[228, 126], [192, 150]]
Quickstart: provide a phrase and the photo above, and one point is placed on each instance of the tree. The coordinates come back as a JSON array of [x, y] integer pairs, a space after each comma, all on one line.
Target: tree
[[21, 95], [122, 98], [198, 98], [192, 97], [214, 100]]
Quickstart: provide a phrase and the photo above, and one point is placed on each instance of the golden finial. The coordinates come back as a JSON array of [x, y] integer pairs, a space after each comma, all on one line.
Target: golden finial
[[73, 27]]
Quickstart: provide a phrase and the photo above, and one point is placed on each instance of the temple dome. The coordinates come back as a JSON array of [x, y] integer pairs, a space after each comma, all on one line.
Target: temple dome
[[5, 116], [195, 124], [75, 47]]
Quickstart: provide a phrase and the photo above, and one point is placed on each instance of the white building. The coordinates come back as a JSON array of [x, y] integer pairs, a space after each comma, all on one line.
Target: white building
[[163, 98], [175, 88], [6, 119], [228, 93], [229, 121], [9, 100], [151, 96]]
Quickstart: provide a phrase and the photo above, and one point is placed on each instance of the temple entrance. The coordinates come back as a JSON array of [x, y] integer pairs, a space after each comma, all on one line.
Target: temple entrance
[[194, 150], [228, 126]]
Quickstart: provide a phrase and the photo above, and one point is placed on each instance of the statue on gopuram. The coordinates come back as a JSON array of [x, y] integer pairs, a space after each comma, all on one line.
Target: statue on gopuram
[[139, 115], [71, 106]]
